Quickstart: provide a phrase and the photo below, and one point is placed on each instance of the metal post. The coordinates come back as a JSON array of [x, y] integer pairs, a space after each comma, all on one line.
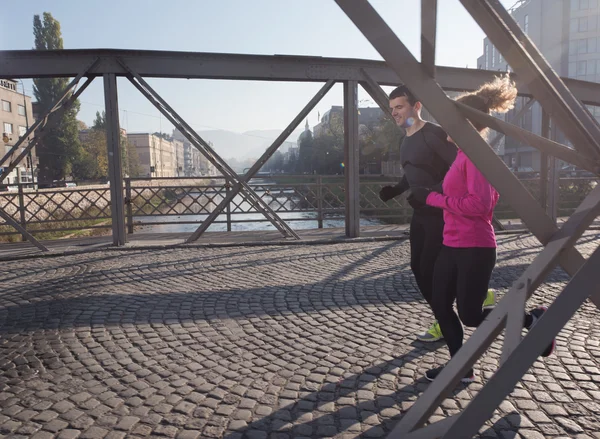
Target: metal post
[[351, 154], [553, 189], [22, 208], [227, 190], [129, 202], [27, 129], [115, 173], [544, 162], [319, 202]]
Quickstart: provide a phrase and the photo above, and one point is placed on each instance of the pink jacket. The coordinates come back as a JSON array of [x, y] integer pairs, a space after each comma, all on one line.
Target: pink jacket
[[468, 202]]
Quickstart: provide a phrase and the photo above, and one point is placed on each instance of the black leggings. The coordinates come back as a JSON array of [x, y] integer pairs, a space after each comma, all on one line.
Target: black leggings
[[462, 274], [426, 236]]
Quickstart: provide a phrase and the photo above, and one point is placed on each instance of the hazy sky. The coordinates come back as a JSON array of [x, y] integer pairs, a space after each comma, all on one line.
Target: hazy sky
[[301, 27]]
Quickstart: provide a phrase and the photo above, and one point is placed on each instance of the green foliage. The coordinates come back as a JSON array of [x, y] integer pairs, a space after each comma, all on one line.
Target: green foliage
[[60, 148]]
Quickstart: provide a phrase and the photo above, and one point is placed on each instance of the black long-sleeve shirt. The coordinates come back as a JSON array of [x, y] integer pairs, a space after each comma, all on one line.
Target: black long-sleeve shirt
[[425, 156]]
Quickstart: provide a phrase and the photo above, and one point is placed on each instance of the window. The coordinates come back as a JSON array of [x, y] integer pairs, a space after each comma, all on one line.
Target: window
[[526, 28], [582, 45], [22, 131], [591, 68], [574, 5], [592, 22], [493, 56], [572, 69], [6, 106], [584, 4], [486, 55], [583, 24], [574, 25], [8, 128], [21, 110], [581, 68], [591, 45]]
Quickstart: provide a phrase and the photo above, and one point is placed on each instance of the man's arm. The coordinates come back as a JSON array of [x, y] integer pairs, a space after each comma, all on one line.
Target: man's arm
[[388, 192], [444, 149], [403, 186]]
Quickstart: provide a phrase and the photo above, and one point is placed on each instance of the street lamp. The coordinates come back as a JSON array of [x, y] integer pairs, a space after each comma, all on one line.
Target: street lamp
[[27, 129]]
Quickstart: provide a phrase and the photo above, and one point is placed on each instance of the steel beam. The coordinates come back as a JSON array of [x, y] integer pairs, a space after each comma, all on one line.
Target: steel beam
[[261, 161], [584, 283], [63, 102], [428, 31], [527, 137], [376, 92], [351, 158], [6, 217], [206, 150], [554, 84], [198, 65], [485, 334], [427, 91], [49, 119], [544, 161], [115, 170], [517, 117], [553, 188], [528, 63]]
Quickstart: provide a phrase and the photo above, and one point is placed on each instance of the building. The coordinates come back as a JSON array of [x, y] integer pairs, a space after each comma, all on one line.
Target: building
[[15, 118], [194, 163], [156, 155], [567, 33], [179, 157]]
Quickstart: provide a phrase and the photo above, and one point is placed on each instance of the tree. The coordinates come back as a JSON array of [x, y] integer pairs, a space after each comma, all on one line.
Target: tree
[[100, 121], [93, 161], [60, 148]]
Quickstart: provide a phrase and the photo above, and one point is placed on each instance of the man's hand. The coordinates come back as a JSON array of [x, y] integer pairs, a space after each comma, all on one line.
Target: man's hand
[[387, 193]]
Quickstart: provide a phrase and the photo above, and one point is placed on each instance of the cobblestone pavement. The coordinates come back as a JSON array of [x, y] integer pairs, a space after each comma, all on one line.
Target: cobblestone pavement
[[258, 342]]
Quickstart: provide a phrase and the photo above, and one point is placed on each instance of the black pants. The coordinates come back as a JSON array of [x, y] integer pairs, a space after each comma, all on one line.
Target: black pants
[[462, 274], [426, 236]]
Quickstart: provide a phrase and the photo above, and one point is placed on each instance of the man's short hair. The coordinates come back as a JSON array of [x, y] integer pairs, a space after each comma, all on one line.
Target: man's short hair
[[403, 91]]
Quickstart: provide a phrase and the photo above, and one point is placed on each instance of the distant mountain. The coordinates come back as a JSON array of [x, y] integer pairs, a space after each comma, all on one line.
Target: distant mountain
[[250, 144]]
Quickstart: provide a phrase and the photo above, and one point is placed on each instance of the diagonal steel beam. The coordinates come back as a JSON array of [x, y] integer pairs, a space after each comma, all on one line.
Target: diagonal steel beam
[[50, 118], [200, 144], [445, 112], [531, 68], [428, 31], [376, 92], [485, 334], [584, 283], [553, 148], [56, 105], [513, 121], [262, 160], [583, 116], [6, 217]]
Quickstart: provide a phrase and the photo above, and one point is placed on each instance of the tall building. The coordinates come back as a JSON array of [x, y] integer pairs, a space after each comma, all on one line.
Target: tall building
[[567, 33], [15, 118], [156, 155]]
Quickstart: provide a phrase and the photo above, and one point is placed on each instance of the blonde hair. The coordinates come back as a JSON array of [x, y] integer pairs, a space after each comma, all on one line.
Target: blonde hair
[[496, 96]]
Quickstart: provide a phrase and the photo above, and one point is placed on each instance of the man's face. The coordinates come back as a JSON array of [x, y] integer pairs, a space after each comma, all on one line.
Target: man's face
[[404, 114]]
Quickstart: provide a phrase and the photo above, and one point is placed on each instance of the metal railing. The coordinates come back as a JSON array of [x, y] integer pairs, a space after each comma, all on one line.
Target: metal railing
[[184, 200], [180, 201]]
